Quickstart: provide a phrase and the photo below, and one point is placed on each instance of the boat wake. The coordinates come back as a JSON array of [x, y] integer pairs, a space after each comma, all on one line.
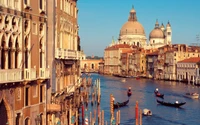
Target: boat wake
[[167, 120]]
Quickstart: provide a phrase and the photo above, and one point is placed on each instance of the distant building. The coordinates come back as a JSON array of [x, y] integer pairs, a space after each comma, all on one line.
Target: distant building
[[188, 70], [90, 65]]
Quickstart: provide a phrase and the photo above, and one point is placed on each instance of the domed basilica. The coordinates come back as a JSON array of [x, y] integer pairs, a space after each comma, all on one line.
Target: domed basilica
[[133, 33]]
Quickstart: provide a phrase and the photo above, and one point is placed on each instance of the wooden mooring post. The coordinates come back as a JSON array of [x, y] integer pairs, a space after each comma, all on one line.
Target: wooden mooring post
[[138, 115], [102, 117]]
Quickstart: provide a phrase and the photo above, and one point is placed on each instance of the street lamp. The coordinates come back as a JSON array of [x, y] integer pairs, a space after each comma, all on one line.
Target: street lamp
[[38, 120]]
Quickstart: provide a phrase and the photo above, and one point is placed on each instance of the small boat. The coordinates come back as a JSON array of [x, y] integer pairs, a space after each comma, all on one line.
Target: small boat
[[118, 104], [157, 94], [123, 80], [137, 78], [147, 112], [192, 95], [176, 104]]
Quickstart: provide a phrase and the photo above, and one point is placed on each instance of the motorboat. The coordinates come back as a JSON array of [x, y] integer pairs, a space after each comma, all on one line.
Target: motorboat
[[192, 95], [147, 112]]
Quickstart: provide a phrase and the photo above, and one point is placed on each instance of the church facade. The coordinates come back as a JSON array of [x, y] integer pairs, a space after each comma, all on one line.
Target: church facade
[[133, 34]]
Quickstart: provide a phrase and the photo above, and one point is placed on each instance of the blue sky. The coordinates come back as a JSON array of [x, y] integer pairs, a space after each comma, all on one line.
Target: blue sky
[[99, 20]]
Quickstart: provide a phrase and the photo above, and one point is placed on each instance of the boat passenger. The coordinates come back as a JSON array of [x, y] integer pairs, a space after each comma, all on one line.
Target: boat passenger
[[113, 99], [156, 91], [176, 102]]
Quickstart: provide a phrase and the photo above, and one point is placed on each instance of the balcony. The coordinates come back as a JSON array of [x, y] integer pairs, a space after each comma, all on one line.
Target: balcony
[[70, 88], [10, 75], [71, 54], [160, 67], [150, 60], [53, 108], [29, 74], [44, 73], [59, 53], [167, 61]]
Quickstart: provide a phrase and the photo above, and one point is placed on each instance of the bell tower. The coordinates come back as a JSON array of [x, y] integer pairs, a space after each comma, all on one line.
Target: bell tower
[[168, 34]]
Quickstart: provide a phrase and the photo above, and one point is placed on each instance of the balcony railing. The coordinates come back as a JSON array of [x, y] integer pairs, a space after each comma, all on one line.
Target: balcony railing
[[160, 67], [10, 75], [58, 53], [67, 54], [53, 107], [70, 88], [44, 73], [30, 74]]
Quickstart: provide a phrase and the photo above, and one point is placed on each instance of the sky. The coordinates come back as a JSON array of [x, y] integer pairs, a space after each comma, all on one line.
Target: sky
[[100, 20]]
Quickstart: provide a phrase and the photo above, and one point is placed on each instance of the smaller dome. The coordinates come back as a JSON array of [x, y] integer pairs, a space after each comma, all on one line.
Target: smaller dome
[[156, 33]]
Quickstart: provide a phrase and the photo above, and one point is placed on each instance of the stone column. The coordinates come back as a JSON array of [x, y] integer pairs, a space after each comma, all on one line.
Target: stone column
[[0, 56], [19, 60], [6, 57]]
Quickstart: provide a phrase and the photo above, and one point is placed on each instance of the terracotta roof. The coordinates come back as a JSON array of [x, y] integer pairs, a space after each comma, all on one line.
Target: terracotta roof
[[190, 60], [153, 53], [117, 46], [127, 51]]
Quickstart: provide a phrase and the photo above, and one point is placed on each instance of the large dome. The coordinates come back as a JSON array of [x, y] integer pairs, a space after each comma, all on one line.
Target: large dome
[[132, 28], [156, 33]]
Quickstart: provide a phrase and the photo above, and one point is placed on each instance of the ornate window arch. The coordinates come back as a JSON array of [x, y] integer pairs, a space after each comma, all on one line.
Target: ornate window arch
[[27, 121]]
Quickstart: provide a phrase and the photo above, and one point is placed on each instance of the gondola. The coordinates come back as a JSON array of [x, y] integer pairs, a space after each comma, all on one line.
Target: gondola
[[118, 104], [157, 94], [129, 93], [176, 104]]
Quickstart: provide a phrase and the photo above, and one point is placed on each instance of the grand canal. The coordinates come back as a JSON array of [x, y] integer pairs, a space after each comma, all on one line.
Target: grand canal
[[143, 92]]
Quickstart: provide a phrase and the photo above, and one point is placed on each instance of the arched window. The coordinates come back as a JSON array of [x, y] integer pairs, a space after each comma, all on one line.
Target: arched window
[[3, 57], [26, 52], [10, 54], [41, 119], [18, 117], [3, 114], [85, 66], [138, 44], [27, 121], [41, 53], [92, 66], [16, 53]]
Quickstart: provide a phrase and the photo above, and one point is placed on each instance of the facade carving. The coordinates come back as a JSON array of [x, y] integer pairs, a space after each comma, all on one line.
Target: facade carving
[[28, 94]]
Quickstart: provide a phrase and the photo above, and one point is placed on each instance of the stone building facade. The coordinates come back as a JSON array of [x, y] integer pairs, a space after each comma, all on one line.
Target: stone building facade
[[64, 55], [24, 72], [90, 65], [188, 70], [40, 62]]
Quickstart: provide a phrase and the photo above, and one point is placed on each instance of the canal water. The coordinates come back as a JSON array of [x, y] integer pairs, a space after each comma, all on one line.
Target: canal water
[[143, 92]]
